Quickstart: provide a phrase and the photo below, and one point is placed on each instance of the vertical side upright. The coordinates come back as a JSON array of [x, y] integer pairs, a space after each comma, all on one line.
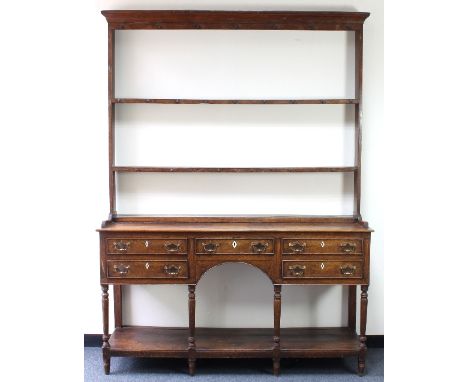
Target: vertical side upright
[[352, 308], [277, 329], [111, 111], [191, 338], [362, 331], [118, 306], [105, 328], [358, 64]]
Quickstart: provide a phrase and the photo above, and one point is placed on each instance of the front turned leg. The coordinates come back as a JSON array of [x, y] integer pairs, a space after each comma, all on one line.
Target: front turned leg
[[191, 338], [105, 327], [277, 325], [362, 336]]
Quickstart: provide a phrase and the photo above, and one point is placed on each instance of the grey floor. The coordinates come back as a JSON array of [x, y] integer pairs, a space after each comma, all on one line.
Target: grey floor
[[175, 370]]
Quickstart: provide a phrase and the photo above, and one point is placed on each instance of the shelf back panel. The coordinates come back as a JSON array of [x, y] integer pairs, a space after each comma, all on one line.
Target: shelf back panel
[[234, 135], [234, 64], [228, 194]]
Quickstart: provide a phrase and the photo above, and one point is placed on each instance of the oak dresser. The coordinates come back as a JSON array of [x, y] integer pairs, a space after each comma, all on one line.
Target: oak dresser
[[312, 250]]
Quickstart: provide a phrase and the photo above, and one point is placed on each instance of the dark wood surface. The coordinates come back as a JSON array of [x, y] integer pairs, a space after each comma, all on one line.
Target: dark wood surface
[[147, 269], [118, 306], [169, 249], [232, 169], [141, 341], [105, 328], [169, 246], [323, 101], [191, 349], [325, 253], [233, 246], [232, 227], [305, 246], [352, 308], [277, 329], [300, 269], [251, 219], [267, 20]]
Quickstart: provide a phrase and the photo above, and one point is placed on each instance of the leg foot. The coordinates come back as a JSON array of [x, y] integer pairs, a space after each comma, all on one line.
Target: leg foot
[[106, 359], [191, 366], [276, 366], [361, 363]]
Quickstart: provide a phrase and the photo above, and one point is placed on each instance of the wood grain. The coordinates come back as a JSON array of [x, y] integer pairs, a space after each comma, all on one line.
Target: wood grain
[[147, 235], [231, 343], [232, 169], [232, 227], [176, 101], [254, 20]]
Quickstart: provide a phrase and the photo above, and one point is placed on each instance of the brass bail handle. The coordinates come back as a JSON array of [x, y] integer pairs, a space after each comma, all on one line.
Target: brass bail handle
[[348, 269], [258, 247], [172, 270], [297, 270], [121, 245], [121, 268], [172, 247], [348, 247], [210, 247], [297, 246]]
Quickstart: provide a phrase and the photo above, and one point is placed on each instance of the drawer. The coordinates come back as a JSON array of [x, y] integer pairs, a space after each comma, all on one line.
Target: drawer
[[255, 246], [152, 269], [321, 246], [322, 269], [146, 246]]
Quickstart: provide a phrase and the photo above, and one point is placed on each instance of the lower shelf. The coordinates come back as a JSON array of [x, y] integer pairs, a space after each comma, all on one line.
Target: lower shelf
[[144, 341]]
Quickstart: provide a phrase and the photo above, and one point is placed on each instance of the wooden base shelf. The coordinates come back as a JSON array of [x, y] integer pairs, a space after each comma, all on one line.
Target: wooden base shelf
[[145, 341]]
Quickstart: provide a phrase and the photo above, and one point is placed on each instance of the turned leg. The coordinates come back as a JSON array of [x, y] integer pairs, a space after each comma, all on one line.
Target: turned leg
[[105, 327], [352, 308], [362, 333], [277, 325], [191, 339]]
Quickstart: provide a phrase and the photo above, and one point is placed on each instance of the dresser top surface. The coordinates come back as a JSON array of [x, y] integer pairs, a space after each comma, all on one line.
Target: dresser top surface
[[240, 226]]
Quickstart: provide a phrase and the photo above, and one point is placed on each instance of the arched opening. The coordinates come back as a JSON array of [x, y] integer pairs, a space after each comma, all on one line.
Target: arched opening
[[236, 295]]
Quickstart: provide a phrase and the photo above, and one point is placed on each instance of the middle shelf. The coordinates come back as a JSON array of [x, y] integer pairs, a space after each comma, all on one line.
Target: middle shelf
[[232, 169], [324, 101]]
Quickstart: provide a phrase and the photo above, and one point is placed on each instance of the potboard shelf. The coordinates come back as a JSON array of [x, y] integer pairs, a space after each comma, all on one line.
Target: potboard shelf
[[146, 341]]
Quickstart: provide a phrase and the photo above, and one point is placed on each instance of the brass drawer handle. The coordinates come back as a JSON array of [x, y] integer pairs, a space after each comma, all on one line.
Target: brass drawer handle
[[210, 247], [122, 269], [172, 247], [121, 246], [258, 247], [348, 247], [348, 270], [297, 247], [297, 270], [172, 270]]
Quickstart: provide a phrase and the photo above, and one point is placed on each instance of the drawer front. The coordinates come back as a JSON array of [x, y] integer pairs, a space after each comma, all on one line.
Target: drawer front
[[253, 246], [321, 246], [146, 246], [147, 269], [322, 269]]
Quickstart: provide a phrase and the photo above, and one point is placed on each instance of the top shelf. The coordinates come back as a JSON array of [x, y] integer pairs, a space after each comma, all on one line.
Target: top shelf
[[253, 20]]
